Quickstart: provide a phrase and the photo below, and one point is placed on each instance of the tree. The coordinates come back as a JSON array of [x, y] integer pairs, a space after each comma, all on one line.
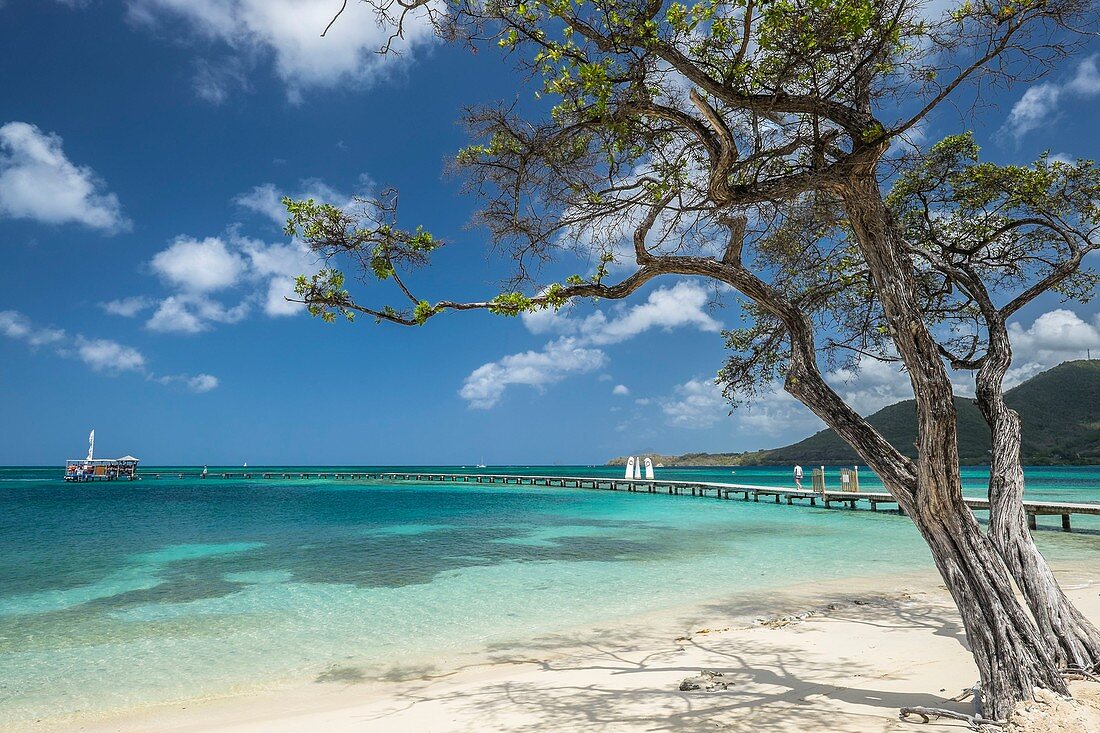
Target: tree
[[762, 126], [1006, 234]]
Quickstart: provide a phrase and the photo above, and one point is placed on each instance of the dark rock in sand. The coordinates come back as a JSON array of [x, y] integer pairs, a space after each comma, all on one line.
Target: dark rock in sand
[[706, 680]]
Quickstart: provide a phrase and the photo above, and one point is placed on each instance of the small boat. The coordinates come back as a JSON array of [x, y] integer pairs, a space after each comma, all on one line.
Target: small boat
[[481, 463]]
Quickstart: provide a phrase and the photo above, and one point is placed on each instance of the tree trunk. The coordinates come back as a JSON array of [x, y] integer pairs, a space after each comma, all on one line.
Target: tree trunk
[[1073, 639], [1012, 660]]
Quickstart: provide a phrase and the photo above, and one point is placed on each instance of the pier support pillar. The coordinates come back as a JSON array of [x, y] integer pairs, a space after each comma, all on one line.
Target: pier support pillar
[[1031, 521], [1065, 523]]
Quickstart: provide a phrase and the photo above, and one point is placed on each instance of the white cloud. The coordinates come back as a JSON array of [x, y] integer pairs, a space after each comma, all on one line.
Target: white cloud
[[14, 324], [1056, 336], [1041, 103], [621, 389], [874, 385], [198, 384], [288, 32], [666, 308], [191, 313], [202, 383], [266, 199], [127, 307], [100, 355], [262, 274], [279, 265], [198, 266], [104, 355], [682, 304], [558, 359], [698, 404], [37, 181]]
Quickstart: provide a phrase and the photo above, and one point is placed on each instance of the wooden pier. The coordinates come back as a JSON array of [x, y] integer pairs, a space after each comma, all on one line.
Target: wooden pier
[[745, 492]]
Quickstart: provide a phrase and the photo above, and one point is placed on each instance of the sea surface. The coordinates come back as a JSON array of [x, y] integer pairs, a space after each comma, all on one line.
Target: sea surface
[[120, 595]]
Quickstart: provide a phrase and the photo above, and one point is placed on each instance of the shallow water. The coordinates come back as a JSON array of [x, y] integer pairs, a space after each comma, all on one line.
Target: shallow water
[[115, 595]]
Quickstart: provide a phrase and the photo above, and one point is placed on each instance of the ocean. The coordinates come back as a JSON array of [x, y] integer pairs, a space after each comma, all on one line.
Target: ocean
[[120, 595]]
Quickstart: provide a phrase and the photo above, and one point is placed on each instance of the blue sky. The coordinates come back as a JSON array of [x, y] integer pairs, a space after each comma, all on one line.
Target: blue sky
[[142, 145]]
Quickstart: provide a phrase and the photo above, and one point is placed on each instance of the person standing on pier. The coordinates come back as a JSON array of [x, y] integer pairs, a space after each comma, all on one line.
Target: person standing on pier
[[797, 476]]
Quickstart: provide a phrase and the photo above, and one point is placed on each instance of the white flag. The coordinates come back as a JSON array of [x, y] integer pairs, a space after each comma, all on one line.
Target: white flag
[[91, 444]]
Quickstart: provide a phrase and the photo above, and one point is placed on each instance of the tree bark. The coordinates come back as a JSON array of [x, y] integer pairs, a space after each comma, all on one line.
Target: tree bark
[[1074, 640], [1012, 659]]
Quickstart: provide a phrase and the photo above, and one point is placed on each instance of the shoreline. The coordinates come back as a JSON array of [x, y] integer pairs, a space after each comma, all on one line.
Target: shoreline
[[843, 655]]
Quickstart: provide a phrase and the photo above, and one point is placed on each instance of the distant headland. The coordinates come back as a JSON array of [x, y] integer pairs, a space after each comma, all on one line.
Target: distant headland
[[1060, 410]]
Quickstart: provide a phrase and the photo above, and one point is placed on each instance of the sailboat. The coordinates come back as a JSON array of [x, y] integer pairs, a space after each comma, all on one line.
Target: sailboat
[[481, 463]]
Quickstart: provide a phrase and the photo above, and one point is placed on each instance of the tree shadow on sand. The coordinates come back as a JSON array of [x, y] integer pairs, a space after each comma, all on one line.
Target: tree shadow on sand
[[772, 687]]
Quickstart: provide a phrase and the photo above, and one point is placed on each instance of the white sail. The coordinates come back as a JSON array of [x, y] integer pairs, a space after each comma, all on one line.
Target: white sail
[[638, 468], [648, 467], [91, 444], [630, 467]]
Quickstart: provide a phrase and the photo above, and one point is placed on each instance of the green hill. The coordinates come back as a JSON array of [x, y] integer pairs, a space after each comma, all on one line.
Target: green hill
[[1060, 410]]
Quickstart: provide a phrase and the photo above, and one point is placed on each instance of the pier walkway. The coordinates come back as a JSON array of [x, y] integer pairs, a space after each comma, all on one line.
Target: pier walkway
[[746, 492]]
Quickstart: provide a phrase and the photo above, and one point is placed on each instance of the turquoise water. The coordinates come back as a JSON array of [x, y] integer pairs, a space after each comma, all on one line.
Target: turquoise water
[[116, 595]]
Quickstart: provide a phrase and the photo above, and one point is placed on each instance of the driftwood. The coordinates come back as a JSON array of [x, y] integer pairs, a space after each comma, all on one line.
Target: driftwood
[[975, 722], [1074, 673]]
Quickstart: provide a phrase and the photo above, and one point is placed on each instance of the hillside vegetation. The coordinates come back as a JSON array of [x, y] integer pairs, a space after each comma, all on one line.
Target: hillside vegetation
[[1060, 410]]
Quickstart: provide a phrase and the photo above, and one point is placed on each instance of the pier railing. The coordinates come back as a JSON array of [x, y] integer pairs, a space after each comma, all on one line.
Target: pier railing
[[724, 491]]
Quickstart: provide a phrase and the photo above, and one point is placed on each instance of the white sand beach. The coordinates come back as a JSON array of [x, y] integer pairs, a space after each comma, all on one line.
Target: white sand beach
[[838, 657]]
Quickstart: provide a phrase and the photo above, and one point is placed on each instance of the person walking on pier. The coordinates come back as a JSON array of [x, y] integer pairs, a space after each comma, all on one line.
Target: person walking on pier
[[797, 476]]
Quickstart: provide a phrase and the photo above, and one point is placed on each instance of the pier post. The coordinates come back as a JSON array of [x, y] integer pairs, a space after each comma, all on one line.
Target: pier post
[[1065, 523], [1031, 521]]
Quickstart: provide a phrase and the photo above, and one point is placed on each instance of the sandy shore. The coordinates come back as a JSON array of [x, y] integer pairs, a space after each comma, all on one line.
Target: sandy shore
[[838, 657]]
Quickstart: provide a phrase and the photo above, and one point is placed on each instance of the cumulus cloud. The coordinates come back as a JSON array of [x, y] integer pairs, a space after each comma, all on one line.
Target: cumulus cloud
[[191, 313], [683, 304], [485, 386], [38, 182], [238, 34], [874, 385], [1052, 338], [198, 266], [621, 390], [1041, 103], [1056, 336], [14, 324], [104, 356], [678, 306], [221, 279]]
